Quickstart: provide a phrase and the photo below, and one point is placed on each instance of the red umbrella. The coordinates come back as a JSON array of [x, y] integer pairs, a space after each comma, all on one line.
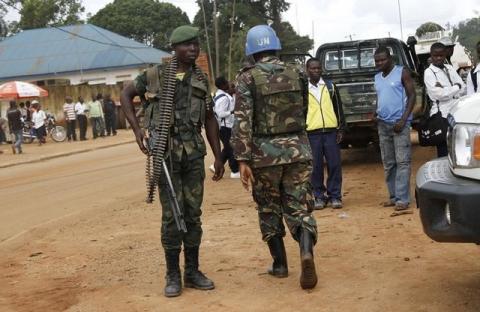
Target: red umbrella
[[20, 89]]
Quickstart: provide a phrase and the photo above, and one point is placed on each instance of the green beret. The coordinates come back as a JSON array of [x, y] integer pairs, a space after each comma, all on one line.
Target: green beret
[[183, 33]]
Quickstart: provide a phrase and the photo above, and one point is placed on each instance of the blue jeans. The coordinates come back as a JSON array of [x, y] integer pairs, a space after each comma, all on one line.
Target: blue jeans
[[18, 139], [324, 146], [396, 152]]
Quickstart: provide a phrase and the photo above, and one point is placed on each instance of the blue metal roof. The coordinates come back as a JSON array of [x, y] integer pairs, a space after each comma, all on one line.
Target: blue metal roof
[[50, 51]]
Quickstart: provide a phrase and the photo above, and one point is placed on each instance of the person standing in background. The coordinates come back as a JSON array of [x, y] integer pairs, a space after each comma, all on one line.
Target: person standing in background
[[38, 119], [109, 109], [325, 124], [70, 118], [96, 116], [444, 86], [395, 100], [81, 110], [15, 126], [224, 107]]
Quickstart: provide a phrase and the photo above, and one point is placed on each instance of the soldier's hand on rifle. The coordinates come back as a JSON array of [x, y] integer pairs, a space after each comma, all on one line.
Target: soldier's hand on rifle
[[140, 137], [219, 170], [246, 175]]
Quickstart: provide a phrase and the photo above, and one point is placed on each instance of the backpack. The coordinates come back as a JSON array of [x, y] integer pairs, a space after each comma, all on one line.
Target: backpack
[[279, 103]]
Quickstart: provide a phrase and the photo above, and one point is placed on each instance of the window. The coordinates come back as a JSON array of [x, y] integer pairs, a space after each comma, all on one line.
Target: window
[[331, 60], [366, 57], [349, 59]]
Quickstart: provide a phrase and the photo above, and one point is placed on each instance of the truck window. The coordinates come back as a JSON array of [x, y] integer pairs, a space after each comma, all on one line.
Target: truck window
[[331, 60], [366, 57], [349, 59]]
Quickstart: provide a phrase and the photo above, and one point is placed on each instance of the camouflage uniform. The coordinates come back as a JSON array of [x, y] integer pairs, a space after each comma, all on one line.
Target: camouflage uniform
[[281, 163], [187, 150]]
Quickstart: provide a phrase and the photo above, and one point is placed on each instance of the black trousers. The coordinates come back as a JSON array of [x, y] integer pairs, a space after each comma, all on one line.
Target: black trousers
[[110, 124], [227, 151], [71, 130], [82, 125]]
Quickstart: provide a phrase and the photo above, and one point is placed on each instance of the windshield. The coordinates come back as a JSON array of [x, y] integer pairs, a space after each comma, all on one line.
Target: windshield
[[348, 58]]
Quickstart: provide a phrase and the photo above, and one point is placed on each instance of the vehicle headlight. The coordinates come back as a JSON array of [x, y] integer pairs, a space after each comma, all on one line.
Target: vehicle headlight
[[465, 145]]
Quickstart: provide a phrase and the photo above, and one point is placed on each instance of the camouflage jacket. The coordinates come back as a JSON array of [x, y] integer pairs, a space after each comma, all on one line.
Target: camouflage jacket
[[192, 100], [260, 150]]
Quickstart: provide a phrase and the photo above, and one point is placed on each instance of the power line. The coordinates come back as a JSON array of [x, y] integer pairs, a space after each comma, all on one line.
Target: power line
[[80, 36]]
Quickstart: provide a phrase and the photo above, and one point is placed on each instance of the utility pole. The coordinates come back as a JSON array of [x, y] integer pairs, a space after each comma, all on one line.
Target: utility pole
[[400, 17], [350, 36], [230, 42], [209, 52], [217, 43]]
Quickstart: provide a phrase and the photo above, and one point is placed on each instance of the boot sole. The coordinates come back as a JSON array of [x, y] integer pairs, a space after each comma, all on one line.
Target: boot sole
[[308, 278], [278, 275], [191, 285], [171, 295]]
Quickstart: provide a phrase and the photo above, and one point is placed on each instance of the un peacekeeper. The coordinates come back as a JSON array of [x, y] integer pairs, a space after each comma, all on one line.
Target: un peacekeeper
[[192, 107], [272, 148]]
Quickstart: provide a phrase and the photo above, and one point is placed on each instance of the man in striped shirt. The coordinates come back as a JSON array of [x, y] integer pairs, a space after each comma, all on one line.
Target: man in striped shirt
[[70, 118]]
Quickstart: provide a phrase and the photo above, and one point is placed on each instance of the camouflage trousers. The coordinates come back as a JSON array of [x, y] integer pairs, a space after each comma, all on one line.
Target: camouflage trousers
[[284, 192], [187, 178]]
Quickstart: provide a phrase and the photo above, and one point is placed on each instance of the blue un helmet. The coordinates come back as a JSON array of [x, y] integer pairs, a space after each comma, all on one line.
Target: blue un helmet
[[261, 38]]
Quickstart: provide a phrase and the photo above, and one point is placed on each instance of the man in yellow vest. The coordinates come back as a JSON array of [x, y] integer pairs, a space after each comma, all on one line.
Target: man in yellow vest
[[325, 124]]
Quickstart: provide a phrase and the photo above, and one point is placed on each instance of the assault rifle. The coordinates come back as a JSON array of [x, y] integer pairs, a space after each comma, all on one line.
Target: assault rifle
[[172, 197]]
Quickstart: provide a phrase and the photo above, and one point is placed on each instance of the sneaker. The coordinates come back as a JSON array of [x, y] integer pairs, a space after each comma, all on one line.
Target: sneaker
[[319, 203], [212, 168], [235, 175], [336, 203]]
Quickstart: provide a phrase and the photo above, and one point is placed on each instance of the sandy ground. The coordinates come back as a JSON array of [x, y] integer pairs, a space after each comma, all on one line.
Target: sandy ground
[[75, 235]]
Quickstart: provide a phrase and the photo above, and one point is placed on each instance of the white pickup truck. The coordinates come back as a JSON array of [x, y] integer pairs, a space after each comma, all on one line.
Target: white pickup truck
[[448, 188]]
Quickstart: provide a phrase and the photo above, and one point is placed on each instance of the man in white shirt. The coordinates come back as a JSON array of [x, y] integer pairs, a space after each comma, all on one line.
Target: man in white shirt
[[81, 110], [224, 107], [473, 76], [38, 119], [444, 86]]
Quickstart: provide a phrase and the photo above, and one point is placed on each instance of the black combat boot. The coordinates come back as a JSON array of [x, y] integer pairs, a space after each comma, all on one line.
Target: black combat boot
[[308, 278], [277, 250], [193, 278], [173, 278]]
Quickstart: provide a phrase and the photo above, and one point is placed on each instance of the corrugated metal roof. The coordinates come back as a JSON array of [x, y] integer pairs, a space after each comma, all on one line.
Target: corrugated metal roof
[[84, 47]]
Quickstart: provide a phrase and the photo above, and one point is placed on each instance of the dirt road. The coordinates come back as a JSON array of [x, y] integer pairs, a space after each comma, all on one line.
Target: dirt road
[[75, 235]]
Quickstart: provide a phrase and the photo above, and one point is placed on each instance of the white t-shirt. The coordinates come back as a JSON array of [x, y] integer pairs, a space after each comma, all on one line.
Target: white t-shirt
[[38, 119], [224, 106], [80, 108]]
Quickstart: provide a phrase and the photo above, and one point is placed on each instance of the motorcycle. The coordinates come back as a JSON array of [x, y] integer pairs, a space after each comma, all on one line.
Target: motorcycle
[[57, 133]]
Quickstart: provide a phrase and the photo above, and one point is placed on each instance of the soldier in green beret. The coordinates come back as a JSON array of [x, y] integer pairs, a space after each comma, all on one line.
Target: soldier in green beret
[[181, 84]]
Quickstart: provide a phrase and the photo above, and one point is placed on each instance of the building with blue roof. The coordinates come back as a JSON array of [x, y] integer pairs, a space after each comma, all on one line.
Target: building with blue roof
[[74, 55]]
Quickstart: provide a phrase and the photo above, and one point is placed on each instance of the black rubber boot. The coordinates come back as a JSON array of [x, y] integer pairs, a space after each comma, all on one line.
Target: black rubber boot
[[308, 278], [193, 278], [277, 250], [173, 278]]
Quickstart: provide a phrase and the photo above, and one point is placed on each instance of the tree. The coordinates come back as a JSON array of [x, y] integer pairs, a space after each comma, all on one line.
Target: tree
[[43, 13], [428, 27], [147, 21], [467, 32], [3, 24], [248, 13]]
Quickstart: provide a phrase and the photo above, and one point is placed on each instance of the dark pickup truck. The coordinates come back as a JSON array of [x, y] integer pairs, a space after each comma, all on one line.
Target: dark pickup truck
[[351, 66]]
